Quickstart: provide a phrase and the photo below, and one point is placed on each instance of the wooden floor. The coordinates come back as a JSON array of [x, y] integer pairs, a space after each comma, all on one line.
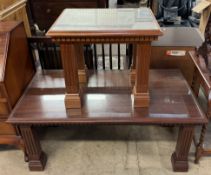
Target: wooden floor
[[107, 99]]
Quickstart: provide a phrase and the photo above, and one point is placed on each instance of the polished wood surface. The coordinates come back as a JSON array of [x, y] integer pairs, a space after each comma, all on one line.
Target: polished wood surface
[[16, 71], [137, 26], [17, 66], [177, 39], [107, 100], [72, 98], [141, 88]]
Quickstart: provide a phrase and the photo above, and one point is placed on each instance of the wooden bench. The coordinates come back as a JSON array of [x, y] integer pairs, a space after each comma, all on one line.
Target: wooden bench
[[107, 100]]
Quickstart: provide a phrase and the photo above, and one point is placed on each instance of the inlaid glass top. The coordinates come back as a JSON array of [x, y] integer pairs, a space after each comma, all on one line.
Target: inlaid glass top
[[105, 20]]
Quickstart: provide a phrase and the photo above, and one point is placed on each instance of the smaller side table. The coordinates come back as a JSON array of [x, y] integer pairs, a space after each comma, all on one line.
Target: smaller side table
[[86, 26]]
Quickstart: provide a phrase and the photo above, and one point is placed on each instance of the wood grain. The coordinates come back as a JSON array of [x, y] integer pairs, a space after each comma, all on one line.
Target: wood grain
[[16, 71], [70, 66], [141, 91], [82, 76], [107, 101], [180, 156]]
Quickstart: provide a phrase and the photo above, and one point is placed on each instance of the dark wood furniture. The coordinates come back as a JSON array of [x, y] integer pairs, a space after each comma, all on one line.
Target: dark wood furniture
[[201, 78], [77, 27], [171, 50], [172, 104], [44, 13], [16, 70], [202, 74]]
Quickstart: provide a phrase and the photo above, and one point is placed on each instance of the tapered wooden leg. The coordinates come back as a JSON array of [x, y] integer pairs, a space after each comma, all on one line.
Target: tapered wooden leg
[[141, 89], [82, 75], [70, 66], [179, 158], [36, 157]]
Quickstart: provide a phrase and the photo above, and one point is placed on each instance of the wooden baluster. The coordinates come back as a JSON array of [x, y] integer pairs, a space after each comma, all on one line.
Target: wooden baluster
[[110, 56], [57, 66], [130, 55], [47, 57], [103, 56], [41, 56], [199, 146], [58, 53], [119, 54], [52, 56], [95, 56]]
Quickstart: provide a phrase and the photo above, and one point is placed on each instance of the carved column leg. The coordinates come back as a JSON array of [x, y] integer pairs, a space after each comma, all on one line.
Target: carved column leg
[[141, 89], [21, 145], [82, 76], [179, 158], [133, 66], [36, 157], [70, 66]]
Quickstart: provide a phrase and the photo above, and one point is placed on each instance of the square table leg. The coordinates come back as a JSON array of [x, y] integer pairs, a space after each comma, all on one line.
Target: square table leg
[[36, 157], [82, 75], [141, 88], [179, 158], [70, 66]]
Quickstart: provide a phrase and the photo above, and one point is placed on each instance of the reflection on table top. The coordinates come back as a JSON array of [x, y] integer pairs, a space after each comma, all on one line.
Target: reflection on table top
[[108, 100], [106, 20]]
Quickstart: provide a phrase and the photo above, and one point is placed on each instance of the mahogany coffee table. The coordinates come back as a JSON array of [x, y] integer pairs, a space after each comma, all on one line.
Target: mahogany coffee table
[[107, 100]]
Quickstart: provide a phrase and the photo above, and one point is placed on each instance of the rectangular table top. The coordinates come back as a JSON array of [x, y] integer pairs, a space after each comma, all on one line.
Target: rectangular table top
[[107, 100], [137, 21]]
